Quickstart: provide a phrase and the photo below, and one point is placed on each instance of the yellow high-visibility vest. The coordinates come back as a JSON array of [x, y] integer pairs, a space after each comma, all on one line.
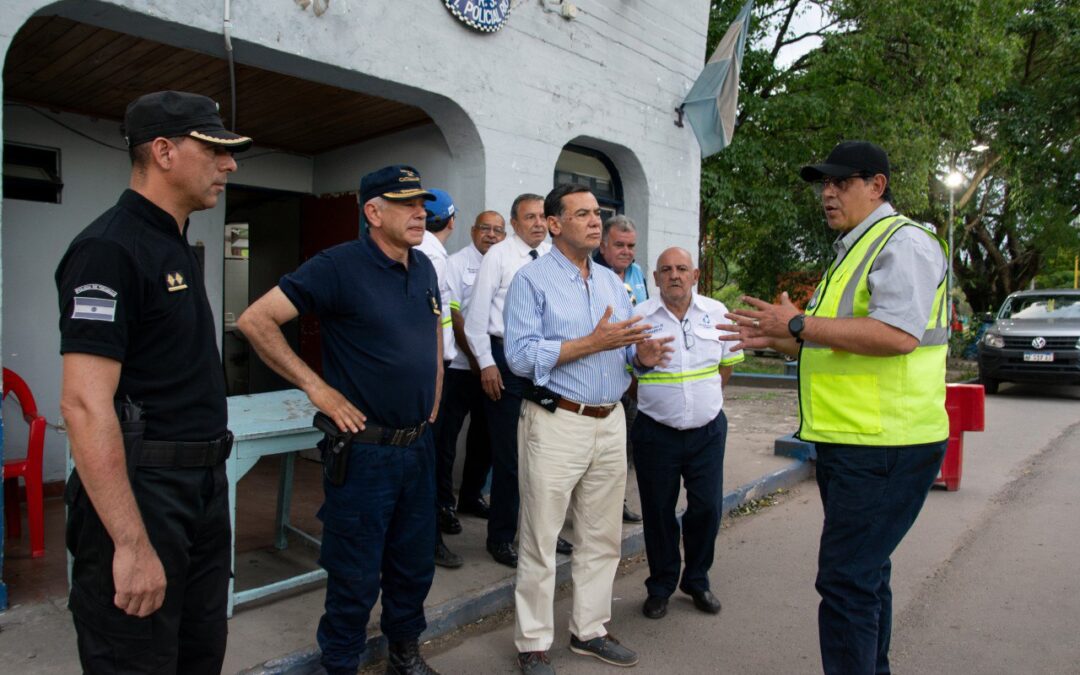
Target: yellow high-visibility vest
[[872, 400]]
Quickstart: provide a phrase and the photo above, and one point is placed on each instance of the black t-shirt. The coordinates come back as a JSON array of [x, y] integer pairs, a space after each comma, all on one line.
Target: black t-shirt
[[378, 322], [131, 289]]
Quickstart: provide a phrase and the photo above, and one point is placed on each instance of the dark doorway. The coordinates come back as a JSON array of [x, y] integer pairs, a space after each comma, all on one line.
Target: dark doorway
[[262, 242], [328, 220]]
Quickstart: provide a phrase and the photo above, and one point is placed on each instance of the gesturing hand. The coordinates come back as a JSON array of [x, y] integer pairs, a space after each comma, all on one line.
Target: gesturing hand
[[615, 335], [761, 326], [655, 352], [334, 404]]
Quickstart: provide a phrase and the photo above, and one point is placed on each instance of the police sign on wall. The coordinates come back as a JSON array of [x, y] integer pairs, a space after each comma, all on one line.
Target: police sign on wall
[[482, 15]]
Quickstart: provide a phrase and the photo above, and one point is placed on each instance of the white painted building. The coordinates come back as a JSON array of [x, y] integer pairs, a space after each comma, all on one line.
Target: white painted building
[[485, 116]]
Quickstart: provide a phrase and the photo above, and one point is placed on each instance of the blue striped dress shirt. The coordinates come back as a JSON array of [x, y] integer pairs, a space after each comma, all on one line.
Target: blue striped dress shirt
[[549, 303]]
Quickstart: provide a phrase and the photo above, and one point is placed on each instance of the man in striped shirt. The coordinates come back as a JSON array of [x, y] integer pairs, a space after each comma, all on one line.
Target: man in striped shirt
[[680, 432], [570, 334]]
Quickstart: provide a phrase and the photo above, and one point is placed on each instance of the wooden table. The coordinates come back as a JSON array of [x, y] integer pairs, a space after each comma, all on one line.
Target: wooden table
[[274, 423]]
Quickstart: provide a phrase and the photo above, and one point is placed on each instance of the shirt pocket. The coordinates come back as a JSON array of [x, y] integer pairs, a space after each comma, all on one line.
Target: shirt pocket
[[708, 342]]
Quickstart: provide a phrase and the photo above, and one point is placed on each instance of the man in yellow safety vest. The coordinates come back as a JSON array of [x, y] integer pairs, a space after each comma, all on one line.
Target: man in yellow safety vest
[[871, 346]]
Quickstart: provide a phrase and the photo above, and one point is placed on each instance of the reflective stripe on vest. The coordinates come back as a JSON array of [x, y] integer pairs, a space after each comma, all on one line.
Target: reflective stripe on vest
[[676, 378], [872, 400]]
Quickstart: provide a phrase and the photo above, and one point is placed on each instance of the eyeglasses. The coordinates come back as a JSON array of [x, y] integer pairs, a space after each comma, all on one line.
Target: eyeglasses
[[487, 229], [687, 334], [841, 183]]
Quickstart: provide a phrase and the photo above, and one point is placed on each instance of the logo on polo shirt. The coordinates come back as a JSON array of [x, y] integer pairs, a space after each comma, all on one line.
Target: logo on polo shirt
[[174, 281], [94, 309]]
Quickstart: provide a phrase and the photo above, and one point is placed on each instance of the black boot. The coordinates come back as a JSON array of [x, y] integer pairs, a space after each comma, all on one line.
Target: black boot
[[404, 658]]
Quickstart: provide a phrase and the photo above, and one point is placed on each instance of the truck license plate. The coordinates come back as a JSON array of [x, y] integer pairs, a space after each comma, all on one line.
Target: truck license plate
[[1039, 356]]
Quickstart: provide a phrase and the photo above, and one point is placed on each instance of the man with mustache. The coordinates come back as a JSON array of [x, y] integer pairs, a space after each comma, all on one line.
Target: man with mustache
[[570, 335], [871, 348], [616, 252], [148, 510], [462, 393], [680, 432], [379, 311]]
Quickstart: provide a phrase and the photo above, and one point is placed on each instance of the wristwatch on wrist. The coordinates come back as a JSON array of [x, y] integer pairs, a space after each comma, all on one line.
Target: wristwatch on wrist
[[796, 326]]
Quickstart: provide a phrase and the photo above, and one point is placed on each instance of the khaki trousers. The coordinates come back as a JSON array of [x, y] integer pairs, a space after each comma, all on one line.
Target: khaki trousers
[[568, 460]]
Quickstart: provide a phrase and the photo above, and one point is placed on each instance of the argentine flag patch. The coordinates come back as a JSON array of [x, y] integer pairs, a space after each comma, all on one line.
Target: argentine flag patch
[[94, 309]]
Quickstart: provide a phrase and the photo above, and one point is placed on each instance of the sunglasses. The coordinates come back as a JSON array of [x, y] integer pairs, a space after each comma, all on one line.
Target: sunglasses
[[841, 183]]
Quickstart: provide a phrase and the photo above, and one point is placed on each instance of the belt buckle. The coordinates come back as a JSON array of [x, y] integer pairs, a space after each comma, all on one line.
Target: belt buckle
[[410, 436], [395, 439]]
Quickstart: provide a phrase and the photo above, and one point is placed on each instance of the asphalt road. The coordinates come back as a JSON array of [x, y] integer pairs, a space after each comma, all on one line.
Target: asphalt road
[[986, 582]]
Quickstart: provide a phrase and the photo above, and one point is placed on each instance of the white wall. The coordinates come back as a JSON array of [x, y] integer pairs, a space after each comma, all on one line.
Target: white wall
[[423, 148], [35, 236], [504, 104]]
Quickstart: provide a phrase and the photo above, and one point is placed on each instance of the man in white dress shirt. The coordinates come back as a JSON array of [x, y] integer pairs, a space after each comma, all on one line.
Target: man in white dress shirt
[[461, 388], [484, 332], [680, 433], [439, 226]]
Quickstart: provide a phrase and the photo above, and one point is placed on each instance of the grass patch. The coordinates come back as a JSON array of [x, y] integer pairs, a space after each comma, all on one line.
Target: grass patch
[[755, 396], [762, 365]]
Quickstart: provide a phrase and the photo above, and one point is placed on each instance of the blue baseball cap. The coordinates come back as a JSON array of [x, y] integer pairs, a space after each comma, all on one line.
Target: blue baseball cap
[[439, 211]]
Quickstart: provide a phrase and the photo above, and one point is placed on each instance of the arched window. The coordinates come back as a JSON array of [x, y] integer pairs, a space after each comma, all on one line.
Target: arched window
[[584, 166]]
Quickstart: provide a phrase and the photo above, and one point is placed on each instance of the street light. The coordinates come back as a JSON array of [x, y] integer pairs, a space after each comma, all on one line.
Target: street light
[[952, 181]]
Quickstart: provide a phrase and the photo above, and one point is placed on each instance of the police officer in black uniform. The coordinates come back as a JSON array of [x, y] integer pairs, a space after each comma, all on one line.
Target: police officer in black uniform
[[380, 319], [144, 401]]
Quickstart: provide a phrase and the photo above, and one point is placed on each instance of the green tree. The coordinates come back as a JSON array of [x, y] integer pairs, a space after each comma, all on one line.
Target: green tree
[[1020, 211], [921, 79]]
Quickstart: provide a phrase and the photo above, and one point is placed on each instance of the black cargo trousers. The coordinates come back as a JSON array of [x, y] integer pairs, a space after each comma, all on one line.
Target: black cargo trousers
[[186, 513]]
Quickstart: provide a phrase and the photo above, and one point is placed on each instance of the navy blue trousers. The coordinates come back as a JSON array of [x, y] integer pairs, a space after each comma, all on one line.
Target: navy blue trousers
[[871, 496], [461, 396], [665, 456], [502, 417], [378, 534]]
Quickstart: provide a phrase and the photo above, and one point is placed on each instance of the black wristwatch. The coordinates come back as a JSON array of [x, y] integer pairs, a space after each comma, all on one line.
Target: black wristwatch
[[796, 326]]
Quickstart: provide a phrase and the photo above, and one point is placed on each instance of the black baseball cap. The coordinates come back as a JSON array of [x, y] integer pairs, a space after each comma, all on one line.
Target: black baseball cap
[[397, 182], [178, 113], [848, 158]]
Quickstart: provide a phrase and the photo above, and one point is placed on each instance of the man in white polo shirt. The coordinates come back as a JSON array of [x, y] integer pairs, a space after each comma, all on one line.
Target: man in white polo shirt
[[680, 432], [438, 228], [462, 395]]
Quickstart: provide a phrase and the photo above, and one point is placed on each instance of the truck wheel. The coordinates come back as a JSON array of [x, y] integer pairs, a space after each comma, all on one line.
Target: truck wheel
[[989, 384]]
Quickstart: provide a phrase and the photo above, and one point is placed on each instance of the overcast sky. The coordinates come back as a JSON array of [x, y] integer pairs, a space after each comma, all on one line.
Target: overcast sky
[[810, 19]]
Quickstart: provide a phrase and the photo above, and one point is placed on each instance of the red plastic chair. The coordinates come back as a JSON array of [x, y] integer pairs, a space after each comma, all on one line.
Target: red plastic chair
[[29, 468]]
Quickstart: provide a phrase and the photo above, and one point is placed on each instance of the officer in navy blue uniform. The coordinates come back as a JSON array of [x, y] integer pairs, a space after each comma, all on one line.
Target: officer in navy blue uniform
[[148, 514], [379, 310]]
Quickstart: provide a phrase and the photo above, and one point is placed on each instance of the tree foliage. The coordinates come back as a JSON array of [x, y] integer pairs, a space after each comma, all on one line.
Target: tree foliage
[[925, 81]]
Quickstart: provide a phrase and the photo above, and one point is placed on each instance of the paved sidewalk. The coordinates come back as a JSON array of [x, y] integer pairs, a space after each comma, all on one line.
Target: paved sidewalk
[[277, 636]]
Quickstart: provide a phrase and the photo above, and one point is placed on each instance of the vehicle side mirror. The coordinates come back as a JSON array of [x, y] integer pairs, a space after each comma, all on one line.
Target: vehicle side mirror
[[987, 317]]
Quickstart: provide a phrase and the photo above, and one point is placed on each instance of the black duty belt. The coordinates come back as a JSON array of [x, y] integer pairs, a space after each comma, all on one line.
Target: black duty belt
[[400, 438], [185, 454]]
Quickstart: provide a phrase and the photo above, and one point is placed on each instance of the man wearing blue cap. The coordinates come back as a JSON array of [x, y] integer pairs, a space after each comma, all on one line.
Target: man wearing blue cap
[[380, 312], [440, 225]]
